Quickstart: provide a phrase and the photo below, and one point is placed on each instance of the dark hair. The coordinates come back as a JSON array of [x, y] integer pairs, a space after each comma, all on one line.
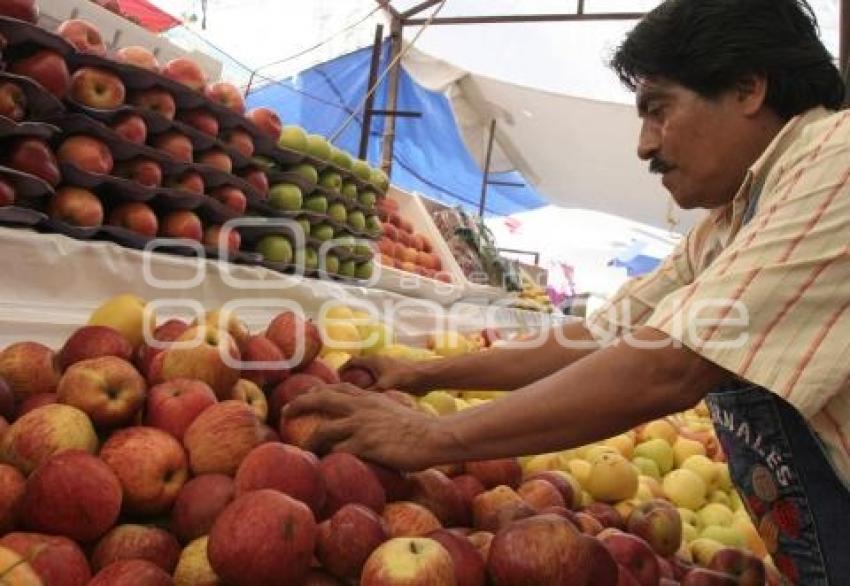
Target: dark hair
[[709, 45]]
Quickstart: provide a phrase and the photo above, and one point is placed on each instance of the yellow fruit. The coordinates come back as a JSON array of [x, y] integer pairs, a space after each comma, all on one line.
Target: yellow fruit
[[726, 535], [658, 450], [337, 312], [593, 453], [194, 568], [625, 507], [448, 343], [685, 489], [683, 448], [586, 499], [715, 514], [653, 485], [735, 502], [341, 337], [612, 478], [752, 539], [658, 429], [688, 516], [703, 549], [127, 315], [441, 401], [580, 469], [643, 493], [623, 443], [647, 467], [689, 532], [705, 468], [541, 463], [336, 359], [718, 496], [375, 336], [724, 481], [702, 409]]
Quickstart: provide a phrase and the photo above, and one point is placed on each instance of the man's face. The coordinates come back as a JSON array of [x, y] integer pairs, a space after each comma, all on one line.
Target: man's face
[[699, 146]]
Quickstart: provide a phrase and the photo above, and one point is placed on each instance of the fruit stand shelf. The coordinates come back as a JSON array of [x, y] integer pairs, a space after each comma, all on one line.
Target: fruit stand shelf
[[51, 283]]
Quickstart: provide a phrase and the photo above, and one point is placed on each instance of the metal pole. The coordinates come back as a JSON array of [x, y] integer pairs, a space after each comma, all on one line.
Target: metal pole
[[506, 19], [483, 200], [392, 97], [370, 99]]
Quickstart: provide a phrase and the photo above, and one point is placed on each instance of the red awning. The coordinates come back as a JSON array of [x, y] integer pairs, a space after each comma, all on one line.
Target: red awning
[[148, 15]]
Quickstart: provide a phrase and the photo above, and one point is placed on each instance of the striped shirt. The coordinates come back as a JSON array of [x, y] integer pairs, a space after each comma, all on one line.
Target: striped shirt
[[767, 299]]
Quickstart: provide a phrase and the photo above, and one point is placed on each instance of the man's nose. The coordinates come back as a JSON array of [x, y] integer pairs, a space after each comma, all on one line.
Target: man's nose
[[649, 141]]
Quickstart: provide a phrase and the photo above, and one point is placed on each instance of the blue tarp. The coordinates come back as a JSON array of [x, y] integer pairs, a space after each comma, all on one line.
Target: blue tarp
[[429, 155], [637, 265]]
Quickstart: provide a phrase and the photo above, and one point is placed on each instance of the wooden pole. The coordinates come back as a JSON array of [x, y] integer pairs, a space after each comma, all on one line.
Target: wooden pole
[[370, 99], [483, 201], [392, 96]]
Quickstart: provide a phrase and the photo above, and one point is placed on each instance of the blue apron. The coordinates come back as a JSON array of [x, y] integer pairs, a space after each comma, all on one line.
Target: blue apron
[[791, 490]]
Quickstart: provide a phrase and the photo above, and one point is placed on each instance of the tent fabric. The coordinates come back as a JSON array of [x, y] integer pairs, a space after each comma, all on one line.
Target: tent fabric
[[430, 156], [150, 17]]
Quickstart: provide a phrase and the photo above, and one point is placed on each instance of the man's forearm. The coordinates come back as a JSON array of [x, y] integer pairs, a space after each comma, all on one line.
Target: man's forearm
[[601, 395], [509, 368]]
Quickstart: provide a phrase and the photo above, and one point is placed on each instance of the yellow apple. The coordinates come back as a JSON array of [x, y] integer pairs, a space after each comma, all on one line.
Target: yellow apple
[[623, 443], [611, 478], [724, 481], [683, 448], [340, 336], [703, 549], [752, 539], [541, 463], [658, 450], [441, 401], [688, 516], [705, 469], [719, 496], [336, 359], [448, 343], [593, 453], [689, 532], [580, 469], [127, 314], [735, 502], [715, 514], [728, 536], [658, 429], [685, 489], [647, 467]]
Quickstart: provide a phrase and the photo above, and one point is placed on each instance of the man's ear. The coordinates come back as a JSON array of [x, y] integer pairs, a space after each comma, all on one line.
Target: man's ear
[[751, 92]]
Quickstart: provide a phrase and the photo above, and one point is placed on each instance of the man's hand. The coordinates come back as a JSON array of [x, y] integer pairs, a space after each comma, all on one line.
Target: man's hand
[[391, 373], [373, 427]]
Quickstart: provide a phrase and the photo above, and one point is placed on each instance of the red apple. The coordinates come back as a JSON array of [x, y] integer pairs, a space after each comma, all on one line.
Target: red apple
[[320, 578], [217, 159], [32, 155], [232, 197], [286, 391], [175, 144], [266, 120], [7, 401], [13, 101], [204, 353], [349, 480], [138, 56], [409, 561], [659, 523], [108, 389], [190, 181], [172, 406], [131, 127], [58, 561], [212, 239], [86, 153], [187, 72], [228, 95], [493, 473], [397, 485], [260, 349], [298, 340], [408, 519], [320, 369], [73, 494], [241, 141], [26, 10], [481, 541], [747, 569], [605, 514], [347, 538], [497, 508], [163, 335], [127, 542], [588, 524], [12, 489], [435, 491], [199, 504], [76, 206], [286, 469], [200, 119], [468, 487], [572, 497], [156, 100], [97, 88], [93, 342], [131, 573], [183, 224], [48, 68], [29, 368], [33, 402], [142, 170], [634, 554], [83, 35], [469, 566], [220, 438], [706, 577], [357, 376], [263, 537], [540, 494], [135, 216], [257, 179]]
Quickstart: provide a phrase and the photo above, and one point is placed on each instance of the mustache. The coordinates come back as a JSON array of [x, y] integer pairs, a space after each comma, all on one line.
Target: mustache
[[659, 166]]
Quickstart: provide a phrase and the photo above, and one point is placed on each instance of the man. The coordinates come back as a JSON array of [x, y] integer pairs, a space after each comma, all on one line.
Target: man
[[751, 311]]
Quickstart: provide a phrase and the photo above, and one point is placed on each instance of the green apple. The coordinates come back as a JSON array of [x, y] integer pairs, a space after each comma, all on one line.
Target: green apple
[[305, 225], [362, 250], [346, 243], [275, 248], [332, 264], [340, 158], [357, 220], [349, 190], [264, 162], [286, 196], [293, 137], [361, 169], [347, 268], [316, 203], [379, 178], [331, 179], [373, 225], [307, 172], [368, 199], [322, 232], [318, 146], [308, 258], [364, 271], [337, 212]]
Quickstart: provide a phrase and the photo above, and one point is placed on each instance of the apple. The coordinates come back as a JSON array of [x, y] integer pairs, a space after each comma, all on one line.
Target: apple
[[138, 56], [48, 68], [320, 369], [200, 355], [190, 181], [409, 519], [26, 10], [13, 101], [76, 206], [93, 342], [498, 507], [605, 514], [193, 568], [470, 568], [540, 494], [175, 144], [126, 542], [659, 524], [275, 248], [201, 120], [257, 179], [349, 480], [135, 216], [142, 170], [220, 437], [217, 159], [97, 88], [183, 224], [162, 335], [131, 573], [569, 488], [33, 402], [316, 203], [233, 197], [292, 137], [212, 238], [330, 179], [307, 172], [12, 489], [492, 473], [86, 153], [228, 95], [468, 487], [283, 468], [240, 140], [266, 120], [346, 539], [285, 196], [73, 494], [156, 100], [57, 560], [587, 524], [173, 405], [250, 394], [408, 561], [747, 569], [706, 577], [481, 541], [199, 504], [83, 35], [32, 155], [16, 570], [7, 402], [187, 72], [108, 389], [357, 220], [299, 340], [263, 537], [435, 491], [368, 199], [322, 231], [634, 554], [261, 349], [283, 393]]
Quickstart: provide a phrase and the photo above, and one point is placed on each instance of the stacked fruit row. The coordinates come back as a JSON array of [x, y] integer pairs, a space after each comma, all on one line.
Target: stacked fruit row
[[153, 151]]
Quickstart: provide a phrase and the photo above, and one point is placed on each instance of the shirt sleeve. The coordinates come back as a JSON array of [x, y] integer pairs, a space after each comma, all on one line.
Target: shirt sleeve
[[773, 306]]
